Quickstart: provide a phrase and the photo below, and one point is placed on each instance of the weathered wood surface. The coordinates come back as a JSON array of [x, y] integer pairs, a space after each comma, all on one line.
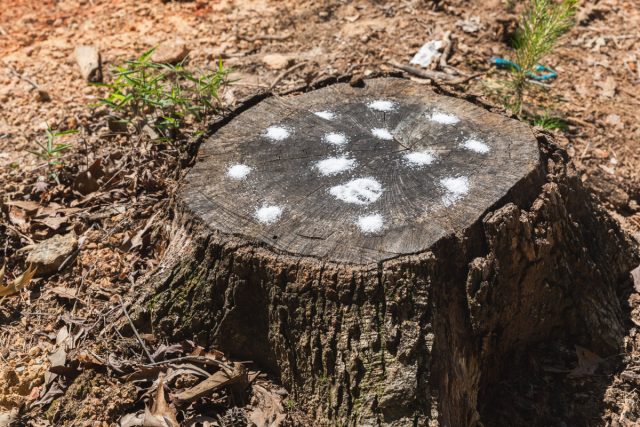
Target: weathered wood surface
[[359, 333], [301, 154]]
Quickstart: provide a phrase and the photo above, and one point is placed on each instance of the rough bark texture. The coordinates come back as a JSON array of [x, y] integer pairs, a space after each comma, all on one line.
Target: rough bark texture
[[415, 340]]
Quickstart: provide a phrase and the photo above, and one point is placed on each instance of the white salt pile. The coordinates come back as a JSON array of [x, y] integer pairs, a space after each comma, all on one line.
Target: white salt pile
[[361, 191], [420, 158], [382, 133], [327, 115], [335, 138], [335, 165], [476, 146], [382, 105], [238, 171], [455, 187], [277, 133], [371, 223], [268, 214], [443, 118]]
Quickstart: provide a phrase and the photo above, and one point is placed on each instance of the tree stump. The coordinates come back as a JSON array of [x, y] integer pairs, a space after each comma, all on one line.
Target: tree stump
[[383, 250]]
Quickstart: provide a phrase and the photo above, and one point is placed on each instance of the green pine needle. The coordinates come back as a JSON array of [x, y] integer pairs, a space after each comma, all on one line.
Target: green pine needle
[[541, 25]]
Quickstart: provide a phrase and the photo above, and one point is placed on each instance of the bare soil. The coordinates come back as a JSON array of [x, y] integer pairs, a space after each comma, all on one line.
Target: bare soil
[[284, 44]]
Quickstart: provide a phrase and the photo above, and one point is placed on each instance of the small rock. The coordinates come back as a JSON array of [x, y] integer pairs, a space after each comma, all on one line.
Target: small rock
[[88, 59], [276, 61], [619, 198], [601, 154], [170, 52], [42, 95], [608, 87], [49, 254], [614, 120], [635, 275], [471, 25]]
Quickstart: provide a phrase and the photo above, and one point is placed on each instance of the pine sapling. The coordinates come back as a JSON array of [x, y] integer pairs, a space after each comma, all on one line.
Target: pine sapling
[[541, 25]]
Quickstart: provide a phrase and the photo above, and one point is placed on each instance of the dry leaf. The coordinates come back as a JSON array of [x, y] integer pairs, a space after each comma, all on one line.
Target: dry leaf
[[54, 222], [588, 362], [608, 87], [131, 420], [87, 181], [26, 205], [161, 413], [64, 292], [635, 276], [138, 239], [88, 359], [237, 378], [19, 218], [8, 418], [268, 412], [18, 283]]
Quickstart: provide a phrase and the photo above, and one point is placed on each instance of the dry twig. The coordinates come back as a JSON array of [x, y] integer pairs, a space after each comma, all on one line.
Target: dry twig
[[285, 73], [135, 331]]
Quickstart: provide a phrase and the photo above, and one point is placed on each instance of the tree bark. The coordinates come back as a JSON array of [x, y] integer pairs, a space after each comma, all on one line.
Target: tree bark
[[417, 338]]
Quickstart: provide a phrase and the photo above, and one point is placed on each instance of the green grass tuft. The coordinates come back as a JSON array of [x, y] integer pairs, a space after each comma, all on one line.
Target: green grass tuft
[[163, 96], [51, 150], [547, 121]]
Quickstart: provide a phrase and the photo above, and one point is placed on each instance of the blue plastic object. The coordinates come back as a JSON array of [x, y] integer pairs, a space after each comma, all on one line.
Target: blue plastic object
[[541, 73]]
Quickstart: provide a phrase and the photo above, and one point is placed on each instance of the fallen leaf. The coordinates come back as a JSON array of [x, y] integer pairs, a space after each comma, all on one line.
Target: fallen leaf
[[8, 418], [131, 420], [588, 362], [144, 373], [62, 336], [26, 205], [89, 359], [58, 360], [601, 154], [163, 351], [137, 240], [608, 87], [238, 377], [58, 357], [19, 218], [35, 392], [64, 292], [471, 25], [161, 413], [86, 182], [268, 410], [18, 283], [53, 222], [635, 276], [53, 392]]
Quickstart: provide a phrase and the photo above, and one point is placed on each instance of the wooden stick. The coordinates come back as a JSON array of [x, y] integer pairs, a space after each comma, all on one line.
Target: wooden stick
[[438, 76], [286, 72], [425, 74], [448, 45], [265, 37], [135, 331]]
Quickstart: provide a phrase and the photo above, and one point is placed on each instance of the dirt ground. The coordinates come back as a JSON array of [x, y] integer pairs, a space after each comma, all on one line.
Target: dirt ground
[[289, 43]]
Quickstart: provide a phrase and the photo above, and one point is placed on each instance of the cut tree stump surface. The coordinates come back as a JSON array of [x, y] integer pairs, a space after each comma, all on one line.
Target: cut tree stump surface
[[358, 175], [391, 255]]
